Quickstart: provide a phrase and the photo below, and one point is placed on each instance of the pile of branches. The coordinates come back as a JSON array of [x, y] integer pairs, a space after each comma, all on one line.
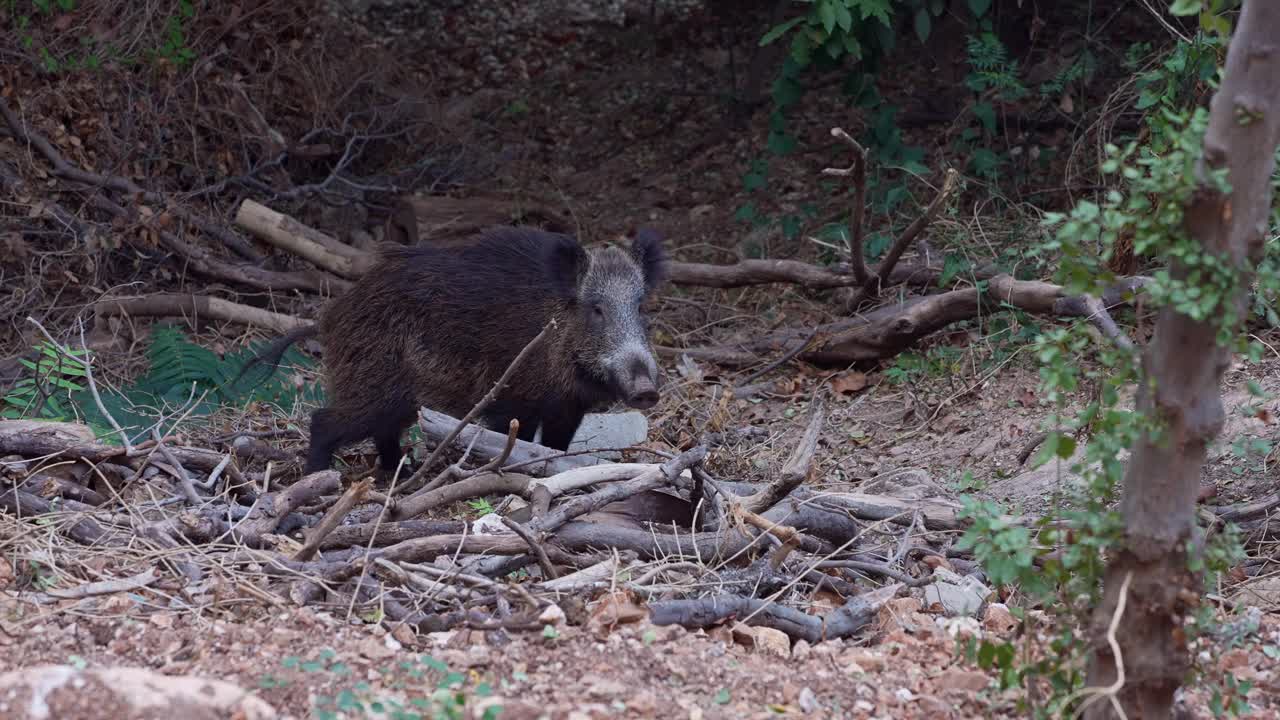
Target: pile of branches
[[699, 549]]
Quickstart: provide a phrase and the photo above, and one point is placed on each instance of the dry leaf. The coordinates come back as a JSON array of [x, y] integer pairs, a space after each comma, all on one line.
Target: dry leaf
[[1027, 398], [849, 382], [616, 608]]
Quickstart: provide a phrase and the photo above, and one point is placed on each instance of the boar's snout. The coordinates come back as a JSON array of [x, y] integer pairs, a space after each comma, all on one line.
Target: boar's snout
[[644, 394], [640, 383]]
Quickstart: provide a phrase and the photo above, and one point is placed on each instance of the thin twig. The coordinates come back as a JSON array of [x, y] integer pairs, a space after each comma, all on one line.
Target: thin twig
[[417, 478], [543, 561], [873, 284], [184, 480], [1110, 691], [859, 172], [332, 519], [88, 373]]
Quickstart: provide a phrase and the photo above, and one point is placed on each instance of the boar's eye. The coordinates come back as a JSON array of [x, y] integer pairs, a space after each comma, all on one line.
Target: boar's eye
[[597, 311]]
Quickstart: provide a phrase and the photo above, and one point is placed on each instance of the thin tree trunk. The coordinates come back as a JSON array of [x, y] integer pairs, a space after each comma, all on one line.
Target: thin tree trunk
[[1186, 365]]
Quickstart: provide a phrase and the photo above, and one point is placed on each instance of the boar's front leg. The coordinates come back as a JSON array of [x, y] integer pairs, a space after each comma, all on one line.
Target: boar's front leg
[[559, 427]]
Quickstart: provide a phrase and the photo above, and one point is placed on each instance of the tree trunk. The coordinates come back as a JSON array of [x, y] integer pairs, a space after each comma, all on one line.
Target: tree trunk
[[1186, 364]]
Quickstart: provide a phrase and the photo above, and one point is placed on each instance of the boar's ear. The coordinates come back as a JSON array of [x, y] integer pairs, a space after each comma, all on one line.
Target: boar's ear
[[566, 263], [647, 249], [402, 225]]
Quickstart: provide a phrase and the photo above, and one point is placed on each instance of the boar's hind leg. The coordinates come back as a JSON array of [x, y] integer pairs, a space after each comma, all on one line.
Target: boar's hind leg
[[330, 430], [333, 428]]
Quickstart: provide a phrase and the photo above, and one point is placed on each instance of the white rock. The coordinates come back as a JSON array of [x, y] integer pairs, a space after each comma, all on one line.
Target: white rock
[[144, 692]]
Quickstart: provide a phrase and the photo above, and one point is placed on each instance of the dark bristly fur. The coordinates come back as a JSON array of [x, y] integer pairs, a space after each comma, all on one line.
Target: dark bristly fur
[[437, 325]]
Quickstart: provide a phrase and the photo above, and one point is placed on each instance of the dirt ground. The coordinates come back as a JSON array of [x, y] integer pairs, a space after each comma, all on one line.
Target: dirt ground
[[623, 128]]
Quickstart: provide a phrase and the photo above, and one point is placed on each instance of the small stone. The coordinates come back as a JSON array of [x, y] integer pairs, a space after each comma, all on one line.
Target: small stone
[[866, 660], [967, 680], [997, 619], [958, 595], [375, 649], [807, 701], [743, 634], [604, 688], [960, 627], [801, 650], [551, 615], [904, 695], [774, 642]]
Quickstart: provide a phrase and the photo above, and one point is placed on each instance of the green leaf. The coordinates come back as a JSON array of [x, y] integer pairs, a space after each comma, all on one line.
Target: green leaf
[[844, 18], [923, 24], [1185, 7], [722, 697], [779, 30], [986, 115], [827, 13], [979, 7], [878, 9]]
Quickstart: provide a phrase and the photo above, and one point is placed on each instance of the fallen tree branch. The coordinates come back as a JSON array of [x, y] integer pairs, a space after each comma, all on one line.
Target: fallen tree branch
[[887, 331], [271, 508], [663, 474], [312, 245], [105, 587], [353, 496], [195, 307], [202, 261], [23, 504], [533, 459], [842, 622]]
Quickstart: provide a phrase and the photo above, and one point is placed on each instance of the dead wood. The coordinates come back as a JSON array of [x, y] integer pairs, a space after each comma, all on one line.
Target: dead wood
[[195, 308], [872, 287], [48, 486], [271, 508], [842, 622], [22, 504], [708, 547], [796, 469], [858, 171], [37, 438], [124, 186], [533, 458], [887, 331], [353, 496], [535, 545], [105, 587], [664, 474], [201, 260], [312, 245], [388, 533], [477, 486], [1247, 511]]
